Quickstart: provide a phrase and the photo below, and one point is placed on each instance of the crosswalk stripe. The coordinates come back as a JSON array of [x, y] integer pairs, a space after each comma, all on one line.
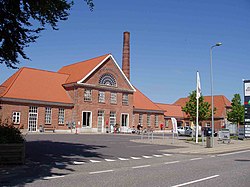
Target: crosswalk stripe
[[158, 155], [60, 164], [78, 163], [167, 154], [109, 160], [147, 156], [94, 161], [135, 158], [123, 158]]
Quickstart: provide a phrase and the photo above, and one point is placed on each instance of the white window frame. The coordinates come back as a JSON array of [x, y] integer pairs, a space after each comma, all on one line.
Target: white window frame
[[16, 117], [101, 97], [141, 119], [90, 120], [113, 98], [87, 95], [112, 118], [148, 120], [156, 120], [127, 122], [48, 115], [61, 116], [125, 99]]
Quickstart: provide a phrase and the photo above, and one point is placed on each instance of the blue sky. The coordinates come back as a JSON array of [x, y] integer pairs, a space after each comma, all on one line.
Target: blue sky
[[169, 42]]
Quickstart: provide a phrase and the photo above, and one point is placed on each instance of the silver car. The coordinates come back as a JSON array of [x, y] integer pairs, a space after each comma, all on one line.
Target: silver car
[[185, 131]]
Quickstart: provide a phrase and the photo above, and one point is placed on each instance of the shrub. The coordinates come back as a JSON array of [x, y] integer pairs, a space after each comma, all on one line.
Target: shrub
[[9, 133]]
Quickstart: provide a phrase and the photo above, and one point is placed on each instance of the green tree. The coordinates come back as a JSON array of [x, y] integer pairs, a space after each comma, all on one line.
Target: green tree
[[236, 114], [21, 21], [191, 107]]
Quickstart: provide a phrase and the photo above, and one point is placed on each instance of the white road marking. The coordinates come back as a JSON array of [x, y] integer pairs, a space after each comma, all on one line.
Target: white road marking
[[97, 172], [143, 166], [196, 159], [53, 177], [173, 162], [195, 181], [158, 156], [60, 164], [147, 156], [78, 163], [212, 156], [238, 152], [94, 161], [109, 160], [135, 158], [167, 154], [123, 158]]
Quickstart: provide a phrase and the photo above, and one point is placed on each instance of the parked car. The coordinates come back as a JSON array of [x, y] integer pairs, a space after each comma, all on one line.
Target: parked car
[[185, 131]]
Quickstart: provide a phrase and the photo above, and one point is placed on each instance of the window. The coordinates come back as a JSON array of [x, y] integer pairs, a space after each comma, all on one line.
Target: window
[[32, 120], [107, 79], [166, 123], [87, 95], [113, 98], [124, 120], [16, 117], [148, 119], [140, 119], [61, 116], [125, 99], [48, 114], [86, 119], [101, 97], [156, 120], [112, 119]]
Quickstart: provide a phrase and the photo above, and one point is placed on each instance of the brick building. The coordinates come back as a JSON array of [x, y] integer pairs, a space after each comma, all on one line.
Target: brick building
[[94, 94]]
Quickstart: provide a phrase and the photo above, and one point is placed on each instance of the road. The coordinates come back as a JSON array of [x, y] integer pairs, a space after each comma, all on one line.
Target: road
[[115, 161]]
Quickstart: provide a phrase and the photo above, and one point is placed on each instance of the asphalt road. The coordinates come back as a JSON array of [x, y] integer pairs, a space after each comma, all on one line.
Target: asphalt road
[[113, 160]]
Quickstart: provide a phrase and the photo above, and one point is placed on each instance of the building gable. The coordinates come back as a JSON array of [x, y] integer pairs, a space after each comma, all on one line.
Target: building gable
[[107, 75]]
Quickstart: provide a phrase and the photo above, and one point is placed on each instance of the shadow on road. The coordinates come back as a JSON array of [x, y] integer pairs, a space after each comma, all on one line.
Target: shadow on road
[[44, 156]]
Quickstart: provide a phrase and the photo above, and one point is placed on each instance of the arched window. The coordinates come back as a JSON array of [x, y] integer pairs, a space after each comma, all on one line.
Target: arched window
[[107, 79]]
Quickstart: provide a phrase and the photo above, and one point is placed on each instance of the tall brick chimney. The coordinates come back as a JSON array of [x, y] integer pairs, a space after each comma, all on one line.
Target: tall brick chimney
[[126, 54]]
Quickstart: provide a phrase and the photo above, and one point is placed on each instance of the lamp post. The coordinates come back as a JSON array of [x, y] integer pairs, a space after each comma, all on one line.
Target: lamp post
[[212, 97]]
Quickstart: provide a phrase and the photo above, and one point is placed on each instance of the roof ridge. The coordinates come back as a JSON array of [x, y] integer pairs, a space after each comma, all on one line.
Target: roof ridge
[[84, 61], [44, 70]]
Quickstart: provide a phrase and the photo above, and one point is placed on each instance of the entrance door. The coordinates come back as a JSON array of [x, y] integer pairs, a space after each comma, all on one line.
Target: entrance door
[[100, 121], [124, 122], [32, 121], [86, 119]]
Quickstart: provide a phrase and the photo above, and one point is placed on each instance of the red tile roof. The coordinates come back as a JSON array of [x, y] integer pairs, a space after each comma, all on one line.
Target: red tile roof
[[34, 84], [171, 110], [220, 103], [141, 102], [80, 70]]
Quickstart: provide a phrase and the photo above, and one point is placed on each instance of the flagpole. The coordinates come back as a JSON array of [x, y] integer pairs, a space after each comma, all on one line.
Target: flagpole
[[198, 92], [197, 119]]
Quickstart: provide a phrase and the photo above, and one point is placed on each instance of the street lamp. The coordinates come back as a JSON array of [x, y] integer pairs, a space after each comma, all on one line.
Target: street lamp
[[211, 79]]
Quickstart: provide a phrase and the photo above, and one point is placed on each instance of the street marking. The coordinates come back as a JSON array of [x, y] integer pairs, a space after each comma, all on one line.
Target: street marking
[[60, 164], [78, 163], [158, 156], [123, 158], [143, 166], [94, 161], [167, 154], [173, 162], [196, 159], [109, 160], [53, 177], [195, 181], [212, 156], [147, 156], [238, 152], [97, 172], [135, 158]]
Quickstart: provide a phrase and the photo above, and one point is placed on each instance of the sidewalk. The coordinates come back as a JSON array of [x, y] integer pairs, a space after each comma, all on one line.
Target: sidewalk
[[189, 147]]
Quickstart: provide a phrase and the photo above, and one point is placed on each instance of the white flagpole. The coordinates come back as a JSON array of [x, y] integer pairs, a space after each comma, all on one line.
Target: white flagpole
[[198, 94]]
